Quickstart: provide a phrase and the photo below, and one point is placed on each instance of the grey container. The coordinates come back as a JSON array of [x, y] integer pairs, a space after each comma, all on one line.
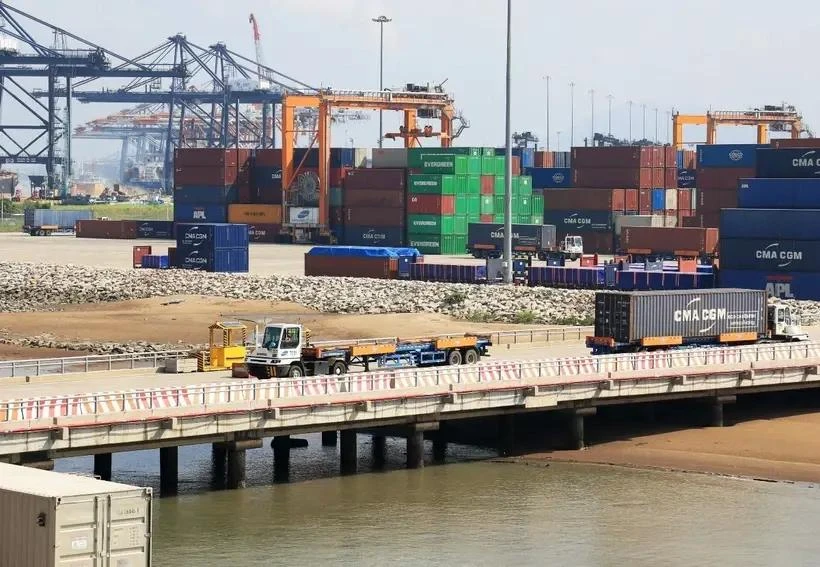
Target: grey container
[[50, 217], [54, 519], [525, 237], [390, 158], [696, 316], [637, 220]]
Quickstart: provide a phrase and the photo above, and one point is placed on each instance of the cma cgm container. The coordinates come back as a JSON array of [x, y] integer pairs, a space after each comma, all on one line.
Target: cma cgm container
[[155, 229], [779, 194], [213, 236], [687, 178], [767, 223], [634, 320], [727, 155], [54, 519], [578, 221], [770, 255], [487, 240], [791, 163], [369, 235]]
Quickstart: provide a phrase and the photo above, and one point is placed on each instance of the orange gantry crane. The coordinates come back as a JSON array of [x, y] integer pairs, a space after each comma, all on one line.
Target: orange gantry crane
[[777, 118], [410, 103]]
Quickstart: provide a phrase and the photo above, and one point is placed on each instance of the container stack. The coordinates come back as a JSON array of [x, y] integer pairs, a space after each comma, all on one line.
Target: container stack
[[772, 240], [589, 213], [720, 166], [374, 211], [206, 181], [625, 167], [214, 247]]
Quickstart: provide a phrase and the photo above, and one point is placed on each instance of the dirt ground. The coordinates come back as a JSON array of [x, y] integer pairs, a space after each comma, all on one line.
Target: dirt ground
[[782, 448], [185, 319]]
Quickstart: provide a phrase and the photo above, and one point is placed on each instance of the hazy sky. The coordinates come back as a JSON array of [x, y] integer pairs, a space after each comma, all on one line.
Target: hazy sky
[[688, 55]]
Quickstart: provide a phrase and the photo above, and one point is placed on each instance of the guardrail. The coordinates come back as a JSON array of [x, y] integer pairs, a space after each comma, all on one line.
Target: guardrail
[[590, 369], [41, 366]]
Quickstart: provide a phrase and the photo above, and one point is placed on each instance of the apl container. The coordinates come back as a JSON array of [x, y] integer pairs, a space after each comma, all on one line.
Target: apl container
[[791, 163], [188, 213], [771, 255], [54, 519], [779, 194], [727, 155], [767, 223], [797, 285]]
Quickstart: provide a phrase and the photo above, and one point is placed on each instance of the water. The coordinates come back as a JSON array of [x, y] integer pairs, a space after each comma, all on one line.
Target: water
[[469, 513]]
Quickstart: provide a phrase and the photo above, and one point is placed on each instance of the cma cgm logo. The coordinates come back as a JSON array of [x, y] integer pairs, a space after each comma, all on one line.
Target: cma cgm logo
[[499, 234], [373, 235], [806, 160], [195, 258], [558, 178], [575, 219], [774, 252], [693, 313], [736, 155]]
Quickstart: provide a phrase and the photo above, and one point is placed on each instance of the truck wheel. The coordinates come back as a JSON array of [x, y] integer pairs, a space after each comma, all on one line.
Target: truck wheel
[[338, 368], [454, 358], [471, 356], [295, 371]]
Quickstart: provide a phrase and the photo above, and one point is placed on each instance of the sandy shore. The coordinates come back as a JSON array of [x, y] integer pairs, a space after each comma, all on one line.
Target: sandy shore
[[780, 449]]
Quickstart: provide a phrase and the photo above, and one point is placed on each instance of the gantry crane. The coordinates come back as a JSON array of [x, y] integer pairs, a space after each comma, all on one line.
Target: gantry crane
[[778, 118]]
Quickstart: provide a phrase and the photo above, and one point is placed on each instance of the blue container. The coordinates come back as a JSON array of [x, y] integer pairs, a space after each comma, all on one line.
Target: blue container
[[365, 251], [799, 285], [658, 199], [770, 255], [155, 229], [156, 262], [579, 221], [356, 235], [679, 157], [212, 260], [339, 157], [550, 177], [779, 193], [788, 162], [687, 178], [188, 213], [212, 236], [206, 194], [788, 224], [264, 177], [727, 155]]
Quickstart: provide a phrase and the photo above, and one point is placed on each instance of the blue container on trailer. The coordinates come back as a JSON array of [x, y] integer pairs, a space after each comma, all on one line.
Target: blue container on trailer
[[213, 236], [687, 178], [658, 199], [189, 213], [799, 285], [206, 194], [770, 255], [357, 235], [768, 193], [787, 224], [728, 155], [155, 229], [578, 221], [788, 162], [550, 177]]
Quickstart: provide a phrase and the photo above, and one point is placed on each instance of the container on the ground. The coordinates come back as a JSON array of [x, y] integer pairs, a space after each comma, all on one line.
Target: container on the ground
[[355, 261], [576, 221], [107, 229], [488, 239], [372, 235], [667, 240], [155, 229]]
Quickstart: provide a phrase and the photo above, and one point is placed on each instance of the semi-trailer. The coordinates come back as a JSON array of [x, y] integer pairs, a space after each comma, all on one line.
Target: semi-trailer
[[43, 222], [647, 320], [528, 240]]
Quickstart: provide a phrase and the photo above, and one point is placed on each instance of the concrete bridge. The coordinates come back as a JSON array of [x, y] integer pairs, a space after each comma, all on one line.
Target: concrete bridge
[[235, 415]]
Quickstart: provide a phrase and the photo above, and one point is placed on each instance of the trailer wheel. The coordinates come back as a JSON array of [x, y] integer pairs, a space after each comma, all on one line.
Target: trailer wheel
[[470, 356], [295, 371], [454, 358], [338, 368]]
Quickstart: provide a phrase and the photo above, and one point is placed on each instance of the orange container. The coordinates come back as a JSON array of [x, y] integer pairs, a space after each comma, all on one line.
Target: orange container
[[255, 214], [138, 253]]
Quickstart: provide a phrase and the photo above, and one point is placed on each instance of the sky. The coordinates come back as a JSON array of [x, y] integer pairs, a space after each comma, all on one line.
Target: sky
[[691, 56]]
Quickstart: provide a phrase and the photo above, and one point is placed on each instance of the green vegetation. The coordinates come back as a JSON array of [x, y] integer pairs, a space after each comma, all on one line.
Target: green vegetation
[[479, 317], [525, 318], [454, 298], [576, 321], [11, 213]]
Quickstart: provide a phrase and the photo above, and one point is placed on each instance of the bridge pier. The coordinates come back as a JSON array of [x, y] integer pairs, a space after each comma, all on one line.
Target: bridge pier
[[219, 458], [281, 458], [168, 471], [439, 447], [102, 465], [716, 418], [577, 437], [415, 449], [506, 435], [329, 438], [347, 450], [236, 468], [379, 451]]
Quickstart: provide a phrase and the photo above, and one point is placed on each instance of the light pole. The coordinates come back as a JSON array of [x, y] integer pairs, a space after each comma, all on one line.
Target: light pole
[[609, 118], [668, 120], [548, 112], [630, 103], [571, 115], [381, 20], [656, 125], [508, 268], [592, 120], [558, 141], [644, 121]]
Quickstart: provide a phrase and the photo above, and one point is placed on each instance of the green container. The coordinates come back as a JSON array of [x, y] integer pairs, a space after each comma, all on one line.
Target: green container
[[427, 184], [525, 185], [474, 205], [474, 184], [522, 206], [498, 218], [437, 243], [474, 165], [498, 188], [537, 219], [515, 185], [500, 165], [537, 204], [488, 164], [487, 205], [431, 224], [473, 218], [498, 204], [462, 204], [443, 164], [460, 225], [460, 184], [521, 219], [414, 159], [488, 151]]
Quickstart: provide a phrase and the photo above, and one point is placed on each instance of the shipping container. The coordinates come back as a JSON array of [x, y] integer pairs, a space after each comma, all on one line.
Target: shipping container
[[670, 158], [374, 216], [53, 519], [585, 199], [247, 214], [450, 273], [685, 200], [579, 221], [796, 143], [779, 193], [268, 233], [379, 267], [658, 199], [428, 184], [303, 215], [550, 177], [473, 184], [227, 260], [336, 196], [596, 242], [714, 200], [375, 179], [211, 236], [210, 157], [676, 241], [695, 316], [727, 155], [525, 238], [206, 194], [788, 162], [267, 157], [671, 199], [670, 180], [767, 223], [449, 244], [155, 229], [487, 185], [799, 285], [432, 205], [629, 157], [606, 177], [309, 157], [377, 198], [622, 221], [64, 220], [336, 216], [687, 178], [370, 235], [544, 159], [437, 224], [266, 177], [712, 178], [116, 229], [770, 255], [389, 158], [188, 213], [205, 176]]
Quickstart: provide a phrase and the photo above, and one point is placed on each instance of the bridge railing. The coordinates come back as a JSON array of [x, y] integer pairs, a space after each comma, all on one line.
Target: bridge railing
[[41, 366], [589, 369]]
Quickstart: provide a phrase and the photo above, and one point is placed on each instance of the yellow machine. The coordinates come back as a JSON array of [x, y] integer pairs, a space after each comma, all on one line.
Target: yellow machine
[[226, 347]]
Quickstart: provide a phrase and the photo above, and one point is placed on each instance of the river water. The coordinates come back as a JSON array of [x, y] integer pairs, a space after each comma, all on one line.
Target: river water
[[470, 511]]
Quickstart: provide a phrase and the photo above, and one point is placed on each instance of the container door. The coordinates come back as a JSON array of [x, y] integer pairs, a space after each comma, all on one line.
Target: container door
[[128, 529], [79, 538]]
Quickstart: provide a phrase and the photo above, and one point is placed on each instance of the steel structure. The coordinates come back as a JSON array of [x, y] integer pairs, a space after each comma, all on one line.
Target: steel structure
[[781, 118]]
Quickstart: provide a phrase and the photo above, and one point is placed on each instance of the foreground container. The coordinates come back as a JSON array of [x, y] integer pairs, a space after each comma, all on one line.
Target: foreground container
[[53, 519], [64, 220], [797, 285], [770, 255], [767, 223]]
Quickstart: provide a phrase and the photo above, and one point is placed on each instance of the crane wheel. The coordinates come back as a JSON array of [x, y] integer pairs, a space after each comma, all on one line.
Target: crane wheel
[[454, 358], [338, 368], [471, 356]]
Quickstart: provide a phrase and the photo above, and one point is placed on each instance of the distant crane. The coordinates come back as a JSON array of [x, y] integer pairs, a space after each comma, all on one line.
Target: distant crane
[[257, 43]]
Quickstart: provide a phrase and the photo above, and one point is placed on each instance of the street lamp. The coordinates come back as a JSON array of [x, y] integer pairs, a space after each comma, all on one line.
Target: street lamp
[[609, 118], [656, 125], [644, 121], [508, 268], [381, 20], [592, 98], [558, 134], [630, 103], [571, 115], [548, 112]]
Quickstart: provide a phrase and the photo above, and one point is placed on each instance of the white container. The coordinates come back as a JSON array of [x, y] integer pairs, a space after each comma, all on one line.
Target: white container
[[54, 519], [671, 200], [304, 215], [180, 365], [637, 220], [390, 158]]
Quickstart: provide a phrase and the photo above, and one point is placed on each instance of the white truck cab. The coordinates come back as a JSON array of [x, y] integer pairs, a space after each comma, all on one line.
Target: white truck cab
[[280, 346], [784, 324], [572, 246]]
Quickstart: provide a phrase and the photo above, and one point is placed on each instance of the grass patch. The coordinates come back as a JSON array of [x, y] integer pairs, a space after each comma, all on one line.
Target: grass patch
[[125, 211], [524, 318], [576, 321], [454, 298], [479, 317]]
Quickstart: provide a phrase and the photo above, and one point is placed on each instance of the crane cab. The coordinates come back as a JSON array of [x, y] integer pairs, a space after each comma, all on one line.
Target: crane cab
[[783, 324]]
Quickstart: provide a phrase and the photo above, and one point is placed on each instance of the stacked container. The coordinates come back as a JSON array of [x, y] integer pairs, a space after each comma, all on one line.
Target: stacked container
[[720, 166], [212, 247], [625, 167], [206, 181], [589, 213], [374, 208]]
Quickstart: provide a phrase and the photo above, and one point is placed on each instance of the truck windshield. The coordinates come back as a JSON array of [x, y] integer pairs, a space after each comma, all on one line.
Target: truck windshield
[[270, 340]]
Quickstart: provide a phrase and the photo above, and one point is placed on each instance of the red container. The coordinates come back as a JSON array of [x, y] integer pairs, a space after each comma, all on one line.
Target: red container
[[375, 179], [670, 157], [717, 178], [690, 158], [713, 201], [374, 198], [605, 177], [337, 176], [682, 216], [138, 252], [679, 241], [268, 157], [691, 222], [210, 157], [264, 232], [215, 175], [807, 143], [119, 229], [431, 205], [374, 216], [516, 165], [579, 199], [355, 266], [684, 199], [670, 180], [630, 157], [709, 219], [645, 201], [486, 219], [544, 159], [594, 242], [631, 202], [487, 184]]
